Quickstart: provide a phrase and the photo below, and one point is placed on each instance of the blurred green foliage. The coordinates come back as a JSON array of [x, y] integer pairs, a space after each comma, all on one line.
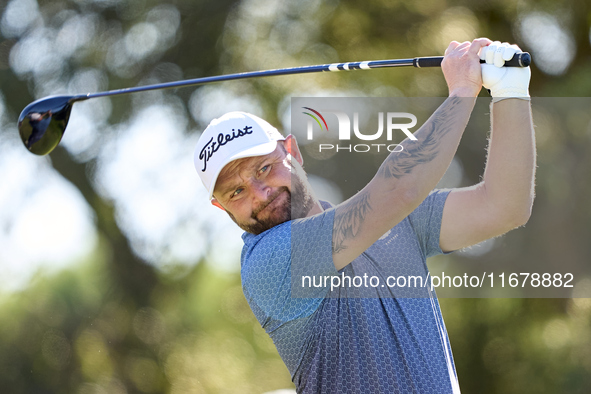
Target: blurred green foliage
[[116, 324]]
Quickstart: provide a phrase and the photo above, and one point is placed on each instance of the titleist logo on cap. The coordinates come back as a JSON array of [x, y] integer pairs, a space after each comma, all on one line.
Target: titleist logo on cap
[[222, 139]]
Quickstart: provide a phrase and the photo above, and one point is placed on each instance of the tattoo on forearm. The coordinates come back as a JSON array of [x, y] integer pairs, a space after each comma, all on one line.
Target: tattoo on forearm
[[426, 148], [348, 220], [350, 217]]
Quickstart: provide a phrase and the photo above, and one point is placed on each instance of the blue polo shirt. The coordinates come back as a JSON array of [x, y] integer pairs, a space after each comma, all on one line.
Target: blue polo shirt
[[362, 336]]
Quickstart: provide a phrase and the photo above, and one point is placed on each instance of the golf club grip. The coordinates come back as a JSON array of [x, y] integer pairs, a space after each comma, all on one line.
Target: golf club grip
[[520, 59]]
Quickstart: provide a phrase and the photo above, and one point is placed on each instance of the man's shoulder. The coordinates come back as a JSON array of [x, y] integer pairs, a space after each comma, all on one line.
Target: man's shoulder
[[295, 237], [266, 246], [274, 234]]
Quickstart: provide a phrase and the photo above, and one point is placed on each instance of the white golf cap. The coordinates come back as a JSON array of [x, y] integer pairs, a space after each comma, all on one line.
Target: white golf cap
[[232, 136]]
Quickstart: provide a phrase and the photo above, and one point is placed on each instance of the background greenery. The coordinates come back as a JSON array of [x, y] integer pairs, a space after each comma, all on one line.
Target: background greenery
[[137, 313]]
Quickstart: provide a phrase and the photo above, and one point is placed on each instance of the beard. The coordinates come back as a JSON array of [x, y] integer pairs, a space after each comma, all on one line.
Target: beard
[[297, 204]]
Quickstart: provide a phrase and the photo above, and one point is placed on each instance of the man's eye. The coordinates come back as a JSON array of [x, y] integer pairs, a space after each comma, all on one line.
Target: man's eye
[[264, 169], [236, 192]]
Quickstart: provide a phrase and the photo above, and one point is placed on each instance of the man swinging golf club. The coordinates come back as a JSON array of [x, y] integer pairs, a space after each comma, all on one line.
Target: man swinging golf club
[[344, 340]]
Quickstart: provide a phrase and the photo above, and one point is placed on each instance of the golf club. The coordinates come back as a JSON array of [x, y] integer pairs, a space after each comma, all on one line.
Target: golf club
[[42, 123]]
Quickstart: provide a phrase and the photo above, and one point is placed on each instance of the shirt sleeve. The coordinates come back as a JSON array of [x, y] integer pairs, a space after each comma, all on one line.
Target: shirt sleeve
[[274, 262], [426, 221]]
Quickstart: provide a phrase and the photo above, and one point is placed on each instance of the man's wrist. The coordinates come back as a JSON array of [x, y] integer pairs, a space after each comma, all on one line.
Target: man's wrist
[[464, 92]]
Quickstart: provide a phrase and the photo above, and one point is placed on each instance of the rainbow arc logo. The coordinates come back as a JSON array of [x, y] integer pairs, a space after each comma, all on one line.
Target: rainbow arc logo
[[315, 118]]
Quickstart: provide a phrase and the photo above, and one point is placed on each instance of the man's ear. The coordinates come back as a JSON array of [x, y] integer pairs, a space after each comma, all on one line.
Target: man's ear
[[292, 148], [217, 204]]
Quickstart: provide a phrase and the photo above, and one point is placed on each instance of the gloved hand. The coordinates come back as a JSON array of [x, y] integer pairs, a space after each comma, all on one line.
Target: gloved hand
[[503, 82]]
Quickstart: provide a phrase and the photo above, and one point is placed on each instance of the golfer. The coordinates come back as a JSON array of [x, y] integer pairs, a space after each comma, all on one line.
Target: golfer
[[370, 339]]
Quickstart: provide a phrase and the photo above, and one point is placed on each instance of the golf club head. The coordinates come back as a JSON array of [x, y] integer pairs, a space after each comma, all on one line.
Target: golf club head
[[42, 123]]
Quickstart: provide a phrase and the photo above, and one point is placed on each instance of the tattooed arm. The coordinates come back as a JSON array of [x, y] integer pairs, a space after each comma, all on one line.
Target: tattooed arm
[[406, 178], [403, 181]]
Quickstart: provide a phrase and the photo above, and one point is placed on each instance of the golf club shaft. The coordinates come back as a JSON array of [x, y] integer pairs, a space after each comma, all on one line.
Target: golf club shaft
[[521, 59]]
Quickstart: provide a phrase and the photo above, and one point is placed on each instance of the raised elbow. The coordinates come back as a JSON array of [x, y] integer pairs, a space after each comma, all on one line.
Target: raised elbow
[[522, 217], [518, 216]]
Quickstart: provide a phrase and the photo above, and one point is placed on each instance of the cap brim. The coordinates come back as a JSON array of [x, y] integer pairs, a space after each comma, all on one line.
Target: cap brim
[[259, 150]]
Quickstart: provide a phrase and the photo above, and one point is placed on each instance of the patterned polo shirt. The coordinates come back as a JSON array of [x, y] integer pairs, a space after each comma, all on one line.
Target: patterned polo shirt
[[369, 334]]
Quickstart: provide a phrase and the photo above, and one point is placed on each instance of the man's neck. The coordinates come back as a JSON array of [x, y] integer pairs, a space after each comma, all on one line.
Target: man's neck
[[316, 208]]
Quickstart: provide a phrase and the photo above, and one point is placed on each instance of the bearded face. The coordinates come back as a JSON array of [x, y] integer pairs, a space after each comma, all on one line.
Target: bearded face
[[281, 206]]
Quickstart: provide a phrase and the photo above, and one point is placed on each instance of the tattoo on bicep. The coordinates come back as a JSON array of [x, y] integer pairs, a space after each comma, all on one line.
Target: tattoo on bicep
[[350, 217], [426, 148], [348, 220]]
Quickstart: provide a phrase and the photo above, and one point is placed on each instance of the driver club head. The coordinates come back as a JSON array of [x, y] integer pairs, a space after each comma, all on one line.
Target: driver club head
[[42, 123]]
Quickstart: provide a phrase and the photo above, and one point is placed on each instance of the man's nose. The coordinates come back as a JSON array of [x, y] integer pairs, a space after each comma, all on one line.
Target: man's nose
[[260, 190]]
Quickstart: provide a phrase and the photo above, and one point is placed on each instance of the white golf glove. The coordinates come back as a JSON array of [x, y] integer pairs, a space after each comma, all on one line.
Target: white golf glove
[[503, 82]]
